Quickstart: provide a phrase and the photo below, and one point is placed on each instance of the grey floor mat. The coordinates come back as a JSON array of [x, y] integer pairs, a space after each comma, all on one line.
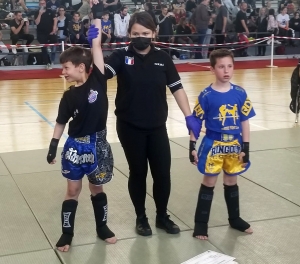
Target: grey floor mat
[[3, 169], [185, 187], [273, 242], [121, 216], [20, 232], [158, 249], [278, 171], [37, 257]]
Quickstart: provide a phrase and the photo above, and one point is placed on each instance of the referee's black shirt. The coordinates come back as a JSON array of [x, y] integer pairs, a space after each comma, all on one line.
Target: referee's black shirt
[[142, 79]]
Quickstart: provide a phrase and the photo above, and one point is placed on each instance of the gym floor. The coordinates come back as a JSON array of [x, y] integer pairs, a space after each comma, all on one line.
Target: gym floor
[[31, 190]]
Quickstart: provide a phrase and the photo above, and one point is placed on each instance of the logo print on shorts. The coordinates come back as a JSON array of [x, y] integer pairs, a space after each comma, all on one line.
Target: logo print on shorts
[[92, 96]]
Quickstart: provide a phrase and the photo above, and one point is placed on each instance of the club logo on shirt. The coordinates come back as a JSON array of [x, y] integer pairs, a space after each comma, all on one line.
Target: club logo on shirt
[[92, 96], [246, 108], [129, 60], [230, 112]]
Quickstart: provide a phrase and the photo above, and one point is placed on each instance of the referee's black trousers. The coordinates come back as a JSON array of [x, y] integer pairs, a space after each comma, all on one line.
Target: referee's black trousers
[[140, 147]]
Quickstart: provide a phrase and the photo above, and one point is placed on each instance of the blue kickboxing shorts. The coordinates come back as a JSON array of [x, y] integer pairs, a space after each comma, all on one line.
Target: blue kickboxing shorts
[[219, 152], [90, 155]]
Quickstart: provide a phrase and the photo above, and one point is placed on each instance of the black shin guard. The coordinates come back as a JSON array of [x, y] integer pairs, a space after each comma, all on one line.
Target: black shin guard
[[99, 202], [203, 210], [68, 212], [231, 194]]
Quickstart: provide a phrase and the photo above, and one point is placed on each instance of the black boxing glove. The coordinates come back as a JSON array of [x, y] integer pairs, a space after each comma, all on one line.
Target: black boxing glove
[[192, 148], [52, 150], [245, 149]]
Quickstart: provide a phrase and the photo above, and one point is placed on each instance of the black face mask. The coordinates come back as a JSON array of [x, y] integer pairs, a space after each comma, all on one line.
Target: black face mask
[[141, 43]]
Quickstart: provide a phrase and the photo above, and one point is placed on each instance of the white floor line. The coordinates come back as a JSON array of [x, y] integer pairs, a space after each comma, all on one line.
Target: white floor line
[[251, 124]]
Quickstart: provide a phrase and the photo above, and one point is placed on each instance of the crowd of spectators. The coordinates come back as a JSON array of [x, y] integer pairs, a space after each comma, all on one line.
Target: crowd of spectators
[[179, 21]]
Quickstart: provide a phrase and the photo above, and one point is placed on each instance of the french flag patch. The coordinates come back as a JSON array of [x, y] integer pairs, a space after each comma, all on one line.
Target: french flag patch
[[129, 60]]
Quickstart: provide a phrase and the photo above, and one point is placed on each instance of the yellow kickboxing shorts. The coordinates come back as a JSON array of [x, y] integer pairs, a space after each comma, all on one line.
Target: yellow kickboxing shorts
[[222, 154]]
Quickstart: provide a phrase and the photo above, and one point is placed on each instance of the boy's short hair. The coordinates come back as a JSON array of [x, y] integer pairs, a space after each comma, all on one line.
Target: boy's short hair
[[77, 55], [218, 54], [105, 13], [76, 13]]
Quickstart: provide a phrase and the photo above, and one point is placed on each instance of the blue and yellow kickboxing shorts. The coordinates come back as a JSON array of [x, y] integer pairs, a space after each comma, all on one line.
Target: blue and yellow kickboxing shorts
[[219, 152], [90, 155]]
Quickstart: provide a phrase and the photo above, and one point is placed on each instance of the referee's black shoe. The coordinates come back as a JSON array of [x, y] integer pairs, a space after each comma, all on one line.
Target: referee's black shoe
[[142, 226], [168, 225]]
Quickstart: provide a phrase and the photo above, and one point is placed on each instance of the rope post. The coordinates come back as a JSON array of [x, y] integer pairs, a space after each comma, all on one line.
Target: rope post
[[272, 53], [63, 46]]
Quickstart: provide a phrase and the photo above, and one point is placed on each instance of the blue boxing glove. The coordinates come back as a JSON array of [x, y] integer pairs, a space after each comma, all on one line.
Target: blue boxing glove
[[194, 124], [93, 33]]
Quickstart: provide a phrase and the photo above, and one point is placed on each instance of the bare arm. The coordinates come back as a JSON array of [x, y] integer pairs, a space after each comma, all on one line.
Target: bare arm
[[245, 131], [17, 30], [97, 50], [38, 19], [58, 130], [182, 101], [54, 25], [224, 24]]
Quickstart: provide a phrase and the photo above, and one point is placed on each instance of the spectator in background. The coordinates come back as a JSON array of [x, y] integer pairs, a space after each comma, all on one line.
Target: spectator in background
[[290, 7], [272, 26], [283, 23], [262, 27], [121, 21], [221, 22], [183, 29], [19, 29], [190, 8], [112, 6], [149, 9], [53, 5], [166, 21], [136, 5], [89, 17], [295, 22], [241, 27], [283, 3], [201, 19], [62, 23], [178, 9], [19, 5], [85, 9], [76, 30], [106, 28], [46, 22], [268, 6]]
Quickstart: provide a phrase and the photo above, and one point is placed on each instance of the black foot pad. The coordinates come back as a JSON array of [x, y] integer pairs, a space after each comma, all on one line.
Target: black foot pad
[[239, 224], [200, 229], [104, 232], [65, 239]]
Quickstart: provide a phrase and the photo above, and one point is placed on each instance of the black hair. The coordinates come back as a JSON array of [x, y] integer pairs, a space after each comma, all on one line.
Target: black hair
[[142, 18], [77, 55], [272, 12]]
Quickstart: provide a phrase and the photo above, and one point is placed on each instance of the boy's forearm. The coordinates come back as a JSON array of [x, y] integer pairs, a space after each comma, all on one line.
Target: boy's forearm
[[245, 131], [58, 130]]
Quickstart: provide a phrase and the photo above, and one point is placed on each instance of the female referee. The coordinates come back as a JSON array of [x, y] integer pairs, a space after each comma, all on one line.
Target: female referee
[[143, 72]]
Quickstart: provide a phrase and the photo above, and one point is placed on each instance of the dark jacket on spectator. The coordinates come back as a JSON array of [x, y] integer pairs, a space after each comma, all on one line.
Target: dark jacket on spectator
[[201, 17], [75, 27]]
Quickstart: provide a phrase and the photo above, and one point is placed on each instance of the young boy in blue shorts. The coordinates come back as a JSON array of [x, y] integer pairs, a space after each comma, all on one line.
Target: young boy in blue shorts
[[226, 110], [86, 151]]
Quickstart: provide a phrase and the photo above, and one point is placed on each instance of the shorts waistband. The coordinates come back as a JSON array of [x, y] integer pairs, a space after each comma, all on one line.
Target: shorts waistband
[[221, 136]]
